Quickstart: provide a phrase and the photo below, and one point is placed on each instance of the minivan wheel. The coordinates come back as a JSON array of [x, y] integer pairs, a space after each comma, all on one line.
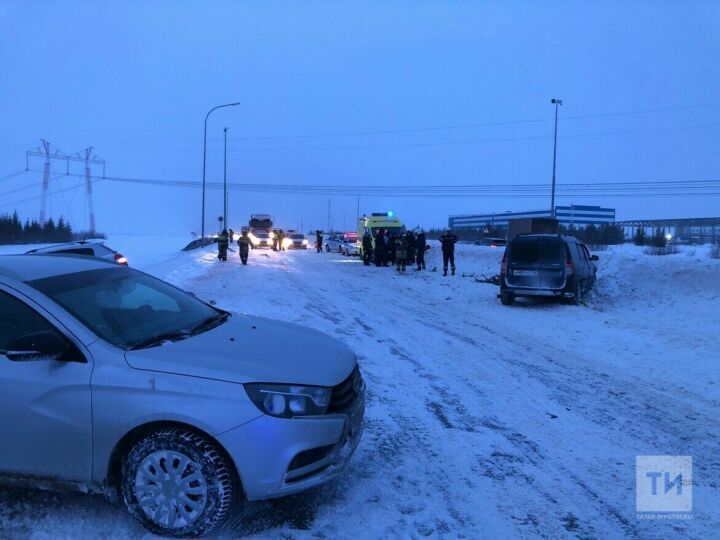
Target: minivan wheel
[[177, 483], [507, 299]]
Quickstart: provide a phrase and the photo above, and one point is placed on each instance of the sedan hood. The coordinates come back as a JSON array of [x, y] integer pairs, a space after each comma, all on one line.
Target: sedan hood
[[252, 349]]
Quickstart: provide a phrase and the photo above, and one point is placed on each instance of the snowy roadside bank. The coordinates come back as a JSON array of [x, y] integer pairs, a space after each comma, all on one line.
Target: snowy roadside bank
[[483, 420]]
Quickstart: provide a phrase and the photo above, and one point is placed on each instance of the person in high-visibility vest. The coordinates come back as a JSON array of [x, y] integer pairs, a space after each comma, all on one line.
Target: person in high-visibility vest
[[244, 244], [222, 242]]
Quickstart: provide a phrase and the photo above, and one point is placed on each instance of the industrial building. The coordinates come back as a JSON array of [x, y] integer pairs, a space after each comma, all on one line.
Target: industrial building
[[577, 216]]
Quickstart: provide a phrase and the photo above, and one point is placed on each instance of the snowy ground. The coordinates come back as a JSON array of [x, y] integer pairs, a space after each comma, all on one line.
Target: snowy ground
[[483, 421]]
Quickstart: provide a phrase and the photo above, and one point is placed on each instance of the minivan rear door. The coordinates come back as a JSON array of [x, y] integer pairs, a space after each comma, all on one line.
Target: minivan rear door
[[536, 263]]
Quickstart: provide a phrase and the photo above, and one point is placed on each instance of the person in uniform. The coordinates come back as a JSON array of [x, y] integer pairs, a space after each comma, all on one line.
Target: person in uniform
[[380, 251], [244, 244], [319, 240], [401, 251], [222, 242], [448, 240], [410, 240], [367, 248], [420, 248], [391, 248]]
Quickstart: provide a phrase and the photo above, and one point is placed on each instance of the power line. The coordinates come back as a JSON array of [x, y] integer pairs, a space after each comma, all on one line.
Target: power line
[[36, 197], [12, 175], [469, 125], [395, 187], [448, 127], [437, 143], [23, 188], [693, 187], [470, 142]]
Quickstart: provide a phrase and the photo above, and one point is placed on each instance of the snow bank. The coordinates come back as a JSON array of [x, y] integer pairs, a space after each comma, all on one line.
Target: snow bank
[[483, 420]]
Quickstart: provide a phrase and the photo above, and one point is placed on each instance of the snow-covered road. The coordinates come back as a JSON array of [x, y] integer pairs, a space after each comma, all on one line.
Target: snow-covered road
[[483, 420]]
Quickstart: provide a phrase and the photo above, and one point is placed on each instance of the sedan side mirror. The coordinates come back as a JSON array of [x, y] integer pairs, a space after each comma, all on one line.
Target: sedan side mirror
[[594, 258], [46, 345]]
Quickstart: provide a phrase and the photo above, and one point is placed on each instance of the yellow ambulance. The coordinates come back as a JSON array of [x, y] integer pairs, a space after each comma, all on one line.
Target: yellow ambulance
[[376, 221]]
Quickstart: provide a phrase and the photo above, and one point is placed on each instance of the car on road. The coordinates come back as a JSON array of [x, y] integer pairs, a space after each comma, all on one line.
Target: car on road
[[261, 239], [349, 244], [295, 240], [114, 381], [333, 242], [88, 248], [344, 243], [546, 265], [350, 248], [492, 242]]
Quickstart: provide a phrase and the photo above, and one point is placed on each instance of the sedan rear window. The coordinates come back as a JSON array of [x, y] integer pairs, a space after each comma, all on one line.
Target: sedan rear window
[[78, 251], [536, 252]]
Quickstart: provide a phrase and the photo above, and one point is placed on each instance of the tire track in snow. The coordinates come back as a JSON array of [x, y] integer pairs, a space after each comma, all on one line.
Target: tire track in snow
[[399, 446]]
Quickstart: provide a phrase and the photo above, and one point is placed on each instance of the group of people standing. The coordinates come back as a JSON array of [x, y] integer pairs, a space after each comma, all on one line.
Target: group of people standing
[[403, 250], [388, 248], [244, 244]]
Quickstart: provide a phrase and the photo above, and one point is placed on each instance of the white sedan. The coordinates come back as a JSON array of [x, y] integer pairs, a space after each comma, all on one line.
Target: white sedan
[[114, 381]]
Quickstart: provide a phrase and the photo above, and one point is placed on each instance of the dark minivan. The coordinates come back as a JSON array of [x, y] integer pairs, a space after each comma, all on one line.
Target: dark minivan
[[550, 265]]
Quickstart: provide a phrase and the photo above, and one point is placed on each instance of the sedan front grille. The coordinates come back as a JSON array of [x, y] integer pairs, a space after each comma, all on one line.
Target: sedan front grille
[[344, 394]]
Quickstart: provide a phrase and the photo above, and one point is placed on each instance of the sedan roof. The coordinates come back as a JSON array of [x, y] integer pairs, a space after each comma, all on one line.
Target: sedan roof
[[31, 267], [51, 248]]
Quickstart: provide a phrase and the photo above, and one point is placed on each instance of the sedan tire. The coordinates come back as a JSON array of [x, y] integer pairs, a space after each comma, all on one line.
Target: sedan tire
[[177, 483]]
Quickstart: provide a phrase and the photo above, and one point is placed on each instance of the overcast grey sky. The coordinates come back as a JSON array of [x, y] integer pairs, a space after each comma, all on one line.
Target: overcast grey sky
[[135, 79]]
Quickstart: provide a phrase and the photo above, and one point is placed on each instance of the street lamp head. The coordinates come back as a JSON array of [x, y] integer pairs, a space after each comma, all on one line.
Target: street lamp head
[[558, 101]]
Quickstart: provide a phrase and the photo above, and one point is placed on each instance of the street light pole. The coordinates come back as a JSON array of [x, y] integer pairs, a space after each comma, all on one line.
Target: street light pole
[[202, 224], [225, 181], [557, 103]]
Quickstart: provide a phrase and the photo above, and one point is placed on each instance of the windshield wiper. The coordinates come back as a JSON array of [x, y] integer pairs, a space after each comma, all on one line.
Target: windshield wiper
[[160, 339], [209, 323]]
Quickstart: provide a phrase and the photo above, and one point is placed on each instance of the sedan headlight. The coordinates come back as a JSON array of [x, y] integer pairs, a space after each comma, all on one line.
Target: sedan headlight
[[286, 401]]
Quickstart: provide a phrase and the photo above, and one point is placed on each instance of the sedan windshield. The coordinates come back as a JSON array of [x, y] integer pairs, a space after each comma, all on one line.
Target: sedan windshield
[[128, 308]]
